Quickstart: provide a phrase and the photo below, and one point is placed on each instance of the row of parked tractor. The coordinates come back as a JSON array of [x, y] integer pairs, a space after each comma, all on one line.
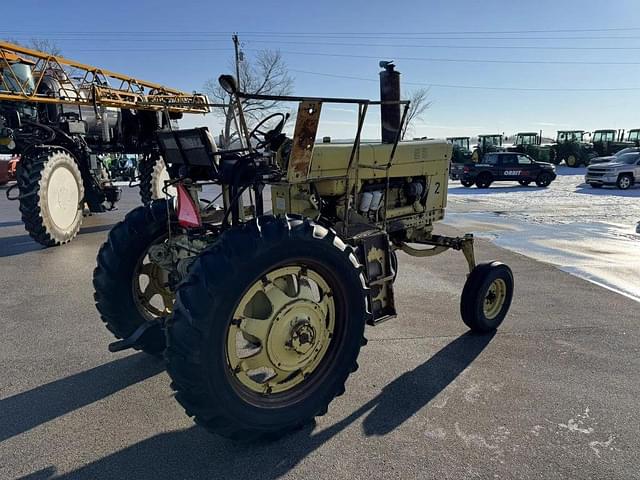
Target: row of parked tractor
[[611, 159], [574, 147]]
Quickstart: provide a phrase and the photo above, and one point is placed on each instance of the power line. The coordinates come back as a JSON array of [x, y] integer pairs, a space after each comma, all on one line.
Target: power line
[[459, 60], [325, 33], [474, 87], [351, 44]]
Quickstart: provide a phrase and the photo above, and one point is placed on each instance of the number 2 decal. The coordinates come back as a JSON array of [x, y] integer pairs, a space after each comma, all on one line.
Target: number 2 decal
[[437, 188]]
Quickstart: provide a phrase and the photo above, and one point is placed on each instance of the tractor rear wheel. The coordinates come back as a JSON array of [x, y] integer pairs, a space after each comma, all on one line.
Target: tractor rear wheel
[[51, 195], [486, 297], [263, 349], [153, 173], [129, 289], [572, 161]]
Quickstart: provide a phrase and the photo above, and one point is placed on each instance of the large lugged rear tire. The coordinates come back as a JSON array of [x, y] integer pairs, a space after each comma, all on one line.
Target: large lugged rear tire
[[153, 173], [125, 285], [253, 286], [51, 195]]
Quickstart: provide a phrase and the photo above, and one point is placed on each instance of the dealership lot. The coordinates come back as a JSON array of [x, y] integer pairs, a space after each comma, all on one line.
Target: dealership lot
[[552, 394]]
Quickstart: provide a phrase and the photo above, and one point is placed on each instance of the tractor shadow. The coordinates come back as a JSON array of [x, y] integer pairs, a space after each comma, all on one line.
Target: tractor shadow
[[21, 244], [18, 245], [24, 411], [194, 453]]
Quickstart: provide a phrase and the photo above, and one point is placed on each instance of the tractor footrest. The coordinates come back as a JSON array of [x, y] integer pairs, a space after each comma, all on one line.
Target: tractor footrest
[[376, 257], [137, 339]]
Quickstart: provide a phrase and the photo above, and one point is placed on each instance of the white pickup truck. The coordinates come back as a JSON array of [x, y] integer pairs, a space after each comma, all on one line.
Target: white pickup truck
[[623, 171]]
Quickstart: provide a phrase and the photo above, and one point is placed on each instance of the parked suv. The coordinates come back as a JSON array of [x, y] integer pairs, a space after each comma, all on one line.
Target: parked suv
[[505, 166], [623, 172]]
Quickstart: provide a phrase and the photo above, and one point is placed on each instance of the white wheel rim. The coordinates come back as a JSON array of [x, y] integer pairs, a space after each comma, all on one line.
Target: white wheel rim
[[625, 182], [63, 197], [162, 176]]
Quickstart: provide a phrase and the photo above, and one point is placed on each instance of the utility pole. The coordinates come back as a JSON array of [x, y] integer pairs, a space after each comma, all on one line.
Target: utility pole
[[236, 46]]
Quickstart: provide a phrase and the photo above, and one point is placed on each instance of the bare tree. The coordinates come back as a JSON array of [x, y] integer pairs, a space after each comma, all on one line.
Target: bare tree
[[266, 74], [419, 104], [41, 44]]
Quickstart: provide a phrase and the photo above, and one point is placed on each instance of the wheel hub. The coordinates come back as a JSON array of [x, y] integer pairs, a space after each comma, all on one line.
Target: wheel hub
[[289, 325], [295, 336], [494, 298], [62, 197]]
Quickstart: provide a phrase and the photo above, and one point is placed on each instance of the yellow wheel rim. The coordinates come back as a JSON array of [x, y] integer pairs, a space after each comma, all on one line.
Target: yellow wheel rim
[[281, 330], [571, 160], [151, 289], [494, 298]]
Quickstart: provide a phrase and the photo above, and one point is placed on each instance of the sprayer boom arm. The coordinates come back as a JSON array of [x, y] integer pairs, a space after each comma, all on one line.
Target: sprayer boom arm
[[91, 86]]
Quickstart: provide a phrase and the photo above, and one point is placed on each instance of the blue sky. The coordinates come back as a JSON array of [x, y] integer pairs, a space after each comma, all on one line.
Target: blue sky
[[595, 45]]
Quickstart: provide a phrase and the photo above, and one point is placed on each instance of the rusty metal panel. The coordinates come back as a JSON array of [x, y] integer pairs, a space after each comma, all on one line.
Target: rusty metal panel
[[304, 138]]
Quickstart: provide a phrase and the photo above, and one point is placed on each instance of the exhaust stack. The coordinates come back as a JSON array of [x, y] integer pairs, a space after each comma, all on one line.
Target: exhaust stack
[[389, 92]]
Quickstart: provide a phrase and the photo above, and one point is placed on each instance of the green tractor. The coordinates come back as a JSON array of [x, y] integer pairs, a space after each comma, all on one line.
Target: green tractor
[[633, 136], [572, 147], [486, 144], [461, 151], [261, 316], [530, 143], [608, 142]]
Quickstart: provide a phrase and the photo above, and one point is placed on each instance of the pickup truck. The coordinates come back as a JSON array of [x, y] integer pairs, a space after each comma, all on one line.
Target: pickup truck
[[503, 166], [623, 171]]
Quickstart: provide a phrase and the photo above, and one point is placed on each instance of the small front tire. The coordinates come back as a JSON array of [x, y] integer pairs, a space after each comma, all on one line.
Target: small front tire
[[467, 183], [524, 183], [486, 297]]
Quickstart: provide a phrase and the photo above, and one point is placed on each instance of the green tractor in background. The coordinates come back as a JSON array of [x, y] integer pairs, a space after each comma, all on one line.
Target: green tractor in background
[[608, 142], [572, 147], [486, 144], [633, 136], [530, 143], [461, 151]]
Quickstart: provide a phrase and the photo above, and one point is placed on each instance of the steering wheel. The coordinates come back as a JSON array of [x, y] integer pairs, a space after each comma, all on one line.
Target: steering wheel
[[263, 138]]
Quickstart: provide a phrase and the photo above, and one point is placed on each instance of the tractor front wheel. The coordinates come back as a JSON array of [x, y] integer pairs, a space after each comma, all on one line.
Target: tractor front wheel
[[467, 183], [486, 297], [261, 349], [51, 195], [129, 288]]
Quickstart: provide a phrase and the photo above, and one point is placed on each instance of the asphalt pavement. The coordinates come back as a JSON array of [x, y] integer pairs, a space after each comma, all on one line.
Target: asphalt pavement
[[554, 394]]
